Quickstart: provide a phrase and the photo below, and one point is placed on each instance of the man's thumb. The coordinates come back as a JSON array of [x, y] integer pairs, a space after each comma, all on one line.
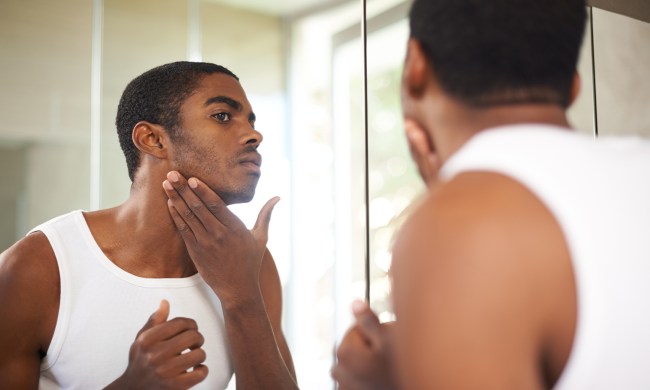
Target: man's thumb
[[261, 228], [367, 322], [158, 317]]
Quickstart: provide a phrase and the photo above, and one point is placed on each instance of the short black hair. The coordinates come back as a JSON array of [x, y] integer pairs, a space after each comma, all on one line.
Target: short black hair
[[490, 52], [156, 96]]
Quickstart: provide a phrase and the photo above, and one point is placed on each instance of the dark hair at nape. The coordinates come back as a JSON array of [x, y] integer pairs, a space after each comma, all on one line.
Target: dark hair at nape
[[156, 96], [492, 52]]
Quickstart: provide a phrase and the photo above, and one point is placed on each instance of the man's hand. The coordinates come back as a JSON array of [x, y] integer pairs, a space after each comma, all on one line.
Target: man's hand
[[165, 355], [426, 159], [235, 263], [364, 356], [227, 255]]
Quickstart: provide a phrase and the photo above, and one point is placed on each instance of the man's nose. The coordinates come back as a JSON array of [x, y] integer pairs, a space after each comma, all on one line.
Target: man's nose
[[252, 137]]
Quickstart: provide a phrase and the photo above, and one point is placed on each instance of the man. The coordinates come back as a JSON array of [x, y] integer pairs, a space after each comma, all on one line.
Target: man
[[527, 263], [76, 295]]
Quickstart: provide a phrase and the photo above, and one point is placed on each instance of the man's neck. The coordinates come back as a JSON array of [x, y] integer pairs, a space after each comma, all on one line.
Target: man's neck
[[452, 124], [140, 237]]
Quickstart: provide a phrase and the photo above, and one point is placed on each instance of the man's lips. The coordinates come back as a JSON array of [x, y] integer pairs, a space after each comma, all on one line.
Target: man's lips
[[252, 161]]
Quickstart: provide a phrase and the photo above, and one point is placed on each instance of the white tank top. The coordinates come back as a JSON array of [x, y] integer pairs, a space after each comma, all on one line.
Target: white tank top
[[599, 193], [102, 308]]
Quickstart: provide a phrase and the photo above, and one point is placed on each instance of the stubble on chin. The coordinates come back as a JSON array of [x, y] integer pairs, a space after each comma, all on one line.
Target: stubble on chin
[[244, 194], [232, 190]]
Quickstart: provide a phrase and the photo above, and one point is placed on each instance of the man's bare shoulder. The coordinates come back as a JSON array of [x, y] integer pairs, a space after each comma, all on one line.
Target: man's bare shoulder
[[486, 221], [29, 284], [29, 301], [481, 251], [30, 259], [478, 205]]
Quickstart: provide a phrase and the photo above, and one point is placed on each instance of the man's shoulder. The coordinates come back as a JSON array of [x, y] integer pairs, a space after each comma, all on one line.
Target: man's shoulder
[[474, 197], [478, 215], [33, 254], [30, 260], [29, 298], [484, 248]]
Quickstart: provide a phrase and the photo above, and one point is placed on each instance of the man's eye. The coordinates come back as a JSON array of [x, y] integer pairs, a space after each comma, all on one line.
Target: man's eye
[[222, 116]]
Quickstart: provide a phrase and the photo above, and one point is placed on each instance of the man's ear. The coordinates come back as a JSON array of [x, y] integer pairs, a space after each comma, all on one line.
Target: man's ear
[[151, 139], [575, 87], [416, 69]]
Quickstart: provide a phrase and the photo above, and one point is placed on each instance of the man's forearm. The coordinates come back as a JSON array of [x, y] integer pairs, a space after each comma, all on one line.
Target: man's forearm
[[256, 356]]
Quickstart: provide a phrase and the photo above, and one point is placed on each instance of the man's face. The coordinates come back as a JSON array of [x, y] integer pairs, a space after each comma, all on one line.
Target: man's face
[[217, 142]]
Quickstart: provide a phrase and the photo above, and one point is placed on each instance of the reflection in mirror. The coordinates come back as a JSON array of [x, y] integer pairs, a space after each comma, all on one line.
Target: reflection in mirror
[[249, 38], [284, 59], [301, 65], [48, 97], [45, 111]]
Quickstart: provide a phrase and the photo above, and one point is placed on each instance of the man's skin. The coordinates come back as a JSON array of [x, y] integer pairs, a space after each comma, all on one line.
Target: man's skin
[[483, 285], [155, 235]]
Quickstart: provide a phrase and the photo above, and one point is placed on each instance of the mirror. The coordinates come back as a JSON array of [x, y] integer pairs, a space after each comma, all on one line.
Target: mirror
[[302, 65]]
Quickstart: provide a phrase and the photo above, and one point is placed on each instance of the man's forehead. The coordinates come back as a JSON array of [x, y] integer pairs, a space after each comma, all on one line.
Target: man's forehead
[[220, 84], [220, 88]]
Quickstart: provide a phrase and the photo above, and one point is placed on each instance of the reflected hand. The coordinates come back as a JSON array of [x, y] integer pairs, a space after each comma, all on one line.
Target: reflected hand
[[158, 357], [364, 355], [227, 255], [426, 159]]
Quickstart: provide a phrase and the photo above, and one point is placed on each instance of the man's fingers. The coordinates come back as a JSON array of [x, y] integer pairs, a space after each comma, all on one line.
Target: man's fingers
[[344, 378], [177, 335], [261, 228], [215, 206], [189, 207], [368, 323], [158, 317], [182, 226], [418, 142], [422, 152], [179, 363], [192, 378], [171, 344]]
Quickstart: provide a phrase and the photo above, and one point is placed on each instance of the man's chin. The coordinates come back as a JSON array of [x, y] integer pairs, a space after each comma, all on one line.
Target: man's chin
[[237, 197]]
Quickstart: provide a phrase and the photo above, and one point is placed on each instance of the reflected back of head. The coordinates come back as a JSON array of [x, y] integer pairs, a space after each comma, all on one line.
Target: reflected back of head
[[156, 97]]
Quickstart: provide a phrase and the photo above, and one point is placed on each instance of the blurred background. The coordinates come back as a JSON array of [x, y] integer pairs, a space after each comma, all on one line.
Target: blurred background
[[64, 64]]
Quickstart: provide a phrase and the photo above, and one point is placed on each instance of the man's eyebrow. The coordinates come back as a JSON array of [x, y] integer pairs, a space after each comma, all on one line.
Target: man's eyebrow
[[224, 99]]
